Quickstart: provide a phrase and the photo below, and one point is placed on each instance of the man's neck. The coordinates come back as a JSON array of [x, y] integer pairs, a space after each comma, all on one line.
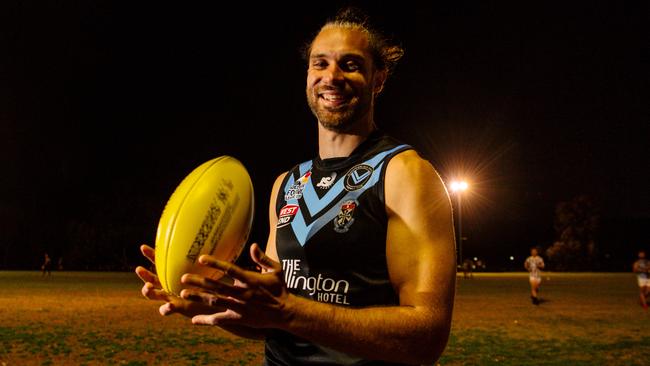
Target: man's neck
[[337, 144]]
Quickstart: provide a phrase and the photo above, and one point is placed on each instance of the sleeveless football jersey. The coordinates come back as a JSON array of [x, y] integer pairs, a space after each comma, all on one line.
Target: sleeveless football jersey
[[331, 241], [643, 266]]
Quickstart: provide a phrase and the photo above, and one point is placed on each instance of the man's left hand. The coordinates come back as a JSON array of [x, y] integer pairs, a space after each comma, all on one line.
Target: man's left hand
[[255, 300]]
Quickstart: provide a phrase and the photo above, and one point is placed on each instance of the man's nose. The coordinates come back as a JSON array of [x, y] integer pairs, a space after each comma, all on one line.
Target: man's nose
[[333, 74]]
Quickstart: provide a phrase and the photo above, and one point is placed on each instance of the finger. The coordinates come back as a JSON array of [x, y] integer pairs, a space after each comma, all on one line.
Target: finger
[[166, 309], [187, 308], [208, 299], [229, 269], [147, 276], [206, 303], [152, 293], [148, 252], [221, 287], [199, 281], [224, 283], [215, 302], [200, 297], [266, 262], [191, 295], [223, 317]]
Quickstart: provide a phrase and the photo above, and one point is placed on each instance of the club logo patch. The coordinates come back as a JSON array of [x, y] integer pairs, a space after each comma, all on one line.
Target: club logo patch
[[345, 217], [287, 214], [295, 191], [326, 182], [358, 176]]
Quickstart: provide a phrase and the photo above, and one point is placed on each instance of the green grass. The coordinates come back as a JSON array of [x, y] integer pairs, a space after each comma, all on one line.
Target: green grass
[[93, 318], [584, 319]]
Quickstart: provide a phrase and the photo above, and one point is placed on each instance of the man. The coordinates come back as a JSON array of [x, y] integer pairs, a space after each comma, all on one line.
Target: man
[[533, 264], [361, 268], [468, 267], [46, 267], [641, 267]]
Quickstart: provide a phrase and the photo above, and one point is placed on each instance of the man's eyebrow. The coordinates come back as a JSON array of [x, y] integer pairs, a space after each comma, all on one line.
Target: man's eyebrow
[[355, 56]]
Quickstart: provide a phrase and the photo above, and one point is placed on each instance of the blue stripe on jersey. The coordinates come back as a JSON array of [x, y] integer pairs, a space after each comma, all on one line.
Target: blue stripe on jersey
[[315, 205], [305, 167], [304, 232]]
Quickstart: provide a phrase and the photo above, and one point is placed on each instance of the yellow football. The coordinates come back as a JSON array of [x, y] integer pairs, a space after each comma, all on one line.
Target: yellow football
[[209, 212]]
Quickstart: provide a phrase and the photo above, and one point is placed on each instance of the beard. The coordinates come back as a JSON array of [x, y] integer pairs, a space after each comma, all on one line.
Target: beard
[[341, 118]]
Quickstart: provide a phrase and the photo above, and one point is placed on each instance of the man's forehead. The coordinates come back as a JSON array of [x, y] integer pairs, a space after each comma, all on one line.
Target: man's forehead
[[338, 42]]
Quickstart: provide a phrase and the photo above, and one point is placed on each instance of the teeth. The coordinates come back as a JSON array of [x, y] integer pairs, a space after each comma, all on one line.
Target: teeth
[[332, 97]]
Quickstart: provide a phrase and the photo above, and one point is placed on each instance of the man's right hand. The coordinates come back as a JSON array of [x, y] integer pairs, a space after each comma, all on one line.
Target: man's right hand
[[152, 290]]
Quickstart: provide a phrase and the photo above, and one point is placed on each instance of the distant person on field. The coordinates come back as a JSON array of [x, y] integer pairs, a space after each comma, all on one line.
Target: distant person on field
[[533, 265], [59, 266], [47, 265], [468, 265], [641, 267]]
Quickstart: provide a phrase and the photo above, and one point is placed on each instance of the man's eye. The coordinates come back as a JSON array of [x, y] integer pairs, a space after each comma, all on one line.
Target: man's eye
[[352, 66], [319, 64]]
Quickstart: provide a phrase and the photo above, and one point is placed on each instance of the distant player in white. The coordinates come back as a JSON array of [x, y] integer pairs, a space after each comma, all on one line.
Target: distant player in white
[[533, 265], [641, 267]]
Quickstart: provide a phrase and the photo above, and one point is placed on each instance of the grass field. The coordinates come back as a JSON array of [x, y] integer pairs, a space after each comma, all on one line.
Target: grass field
[[585, 319], [91, 318]]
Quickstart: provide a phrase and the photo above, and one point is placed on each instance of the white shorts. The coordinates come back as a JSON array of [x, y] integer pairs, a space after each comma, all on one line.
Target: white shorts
[[535, 279], [643, 281]]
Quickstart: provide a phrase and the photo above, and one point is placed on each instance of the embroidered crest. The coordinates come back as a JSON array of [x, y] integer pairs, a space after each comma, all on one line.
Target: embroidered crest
[[326, 182], [358, 176], [295, 191], [345, 217], [287, 213]]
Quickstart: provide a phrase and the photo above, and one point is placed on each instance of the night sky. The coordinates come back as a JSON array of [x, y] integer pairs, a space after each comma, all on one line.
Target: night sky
[[105, 106]]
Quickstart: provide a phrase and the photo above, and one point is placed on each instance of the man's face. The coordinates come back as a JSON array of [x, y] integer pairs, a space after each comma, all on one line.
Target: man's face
[[533, 252], [641, 255], [341, 79]]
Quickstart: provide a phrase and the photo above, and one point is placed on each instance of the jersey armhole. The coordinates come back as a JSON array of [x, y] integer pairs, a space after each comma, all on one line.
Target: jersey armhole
[[279, 200], [381, 187]]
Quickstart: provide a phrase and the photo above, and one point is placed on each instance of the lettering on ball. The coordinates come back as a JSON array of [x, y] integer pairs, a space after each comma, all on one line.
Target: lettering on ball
[[218, 205]]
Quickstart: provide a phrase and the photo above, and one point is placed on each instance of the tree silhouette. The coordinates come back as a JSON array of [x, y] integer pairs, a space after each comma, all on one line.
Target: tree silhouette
[[576, 224]]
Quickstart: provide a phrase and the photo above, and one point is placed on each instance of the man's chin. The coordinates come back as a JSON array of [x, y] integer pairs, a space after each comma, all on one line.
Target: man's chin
[[347, 126]]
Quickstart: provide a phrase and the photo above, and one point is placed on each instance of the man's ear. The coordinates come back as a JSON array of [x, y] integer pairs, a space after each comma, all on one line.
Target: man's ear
[[379, 78]]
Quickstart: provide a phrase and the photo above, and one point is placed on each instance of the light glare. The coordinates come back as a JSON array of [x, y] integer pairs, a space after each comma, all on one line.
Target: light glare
[[458, 186]]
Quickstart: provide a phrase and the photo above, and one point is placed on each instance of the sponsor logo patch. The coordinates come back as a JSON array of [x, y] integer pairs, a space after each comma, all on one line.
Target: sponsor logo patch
[[319, 287], [345, 218], [358, 176], [326, 182], [287, 214], [295, 191]]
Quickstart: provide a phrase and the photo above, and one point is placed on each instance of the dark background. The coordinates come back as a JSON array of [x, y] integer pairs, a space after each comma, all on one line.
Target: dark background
[[105, 106]]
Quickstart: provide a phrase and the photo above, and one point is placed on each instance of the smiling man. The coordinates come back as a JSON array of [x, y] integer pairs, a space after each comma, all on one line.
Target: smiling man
[[359, 267], [341, 78]]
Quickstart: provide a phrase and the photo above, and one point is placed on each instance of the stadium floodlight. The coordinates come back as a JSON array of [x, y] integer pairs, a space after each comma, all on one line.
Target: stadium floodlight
[[458, 187]]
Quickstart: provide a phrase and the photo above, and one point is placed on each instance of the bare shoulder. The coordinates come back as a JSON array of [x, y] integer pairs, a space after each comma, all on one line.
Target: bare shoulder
[[278, 182], [409, 164], [271, 250], [274, 193], [410, 175]]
